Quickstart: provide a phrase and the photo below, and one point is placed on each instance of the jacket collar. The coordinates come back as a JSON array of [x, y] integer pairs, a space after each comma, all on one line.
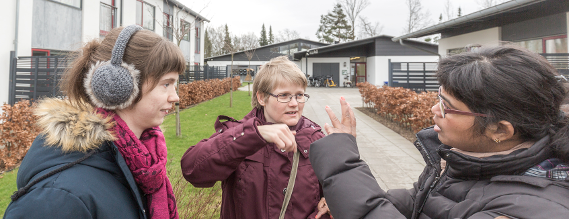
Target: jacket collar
[[468, 167], [72, 127]]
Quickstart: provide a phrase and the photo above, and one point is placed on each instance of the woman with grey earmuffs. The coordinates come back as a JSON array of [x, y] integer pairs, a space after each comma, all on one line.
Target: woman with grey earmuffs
[[101, 153], [499, 147]]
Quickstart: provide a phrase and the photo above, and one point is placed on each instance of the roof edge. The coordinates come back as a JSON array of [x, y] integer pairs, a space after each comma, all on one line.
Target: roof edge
[[463, 19], [186, 9]]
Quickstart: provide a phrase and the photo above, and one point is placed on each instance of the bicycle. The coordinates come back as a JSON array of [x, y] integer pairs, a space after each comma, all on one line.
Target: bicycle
[[329, 82]]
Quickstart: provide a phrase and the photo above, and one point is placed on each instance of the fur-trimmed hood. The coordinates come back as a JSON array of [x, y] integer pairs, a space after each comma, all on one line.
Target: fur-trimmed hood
[[73, 126]]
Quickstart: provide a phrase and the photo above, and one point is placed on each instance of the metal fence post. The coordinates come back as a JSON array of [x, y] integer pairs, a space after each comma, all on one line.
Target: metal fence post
[[12, 82], [37, 66], [390, 78]]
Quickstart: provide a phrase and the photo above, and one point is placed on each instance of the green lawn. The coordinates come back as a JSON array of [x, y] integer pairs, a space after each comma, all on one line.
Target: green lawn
[[197, 124]]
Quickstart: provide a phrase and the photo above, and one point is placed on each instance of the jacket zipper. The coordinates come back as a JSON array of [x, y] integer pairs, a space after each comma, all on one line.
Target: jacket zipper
[[437, 178]]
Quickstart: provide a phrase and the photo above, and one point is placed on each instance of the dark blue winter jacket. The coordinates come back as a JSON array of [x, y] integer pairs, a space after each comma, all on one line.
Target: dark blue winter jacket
[[100, 186]]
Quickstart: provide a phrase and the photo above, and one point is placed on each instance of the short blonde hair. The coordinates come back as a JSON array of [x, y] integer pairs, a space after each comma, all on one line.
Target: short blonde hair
[[274, 73]]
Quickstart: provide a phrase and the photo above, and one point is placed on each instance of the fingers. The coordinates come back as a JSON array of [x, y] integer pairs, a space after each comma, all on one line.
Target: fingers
[[280, 135], [335, 121], [353, 120]]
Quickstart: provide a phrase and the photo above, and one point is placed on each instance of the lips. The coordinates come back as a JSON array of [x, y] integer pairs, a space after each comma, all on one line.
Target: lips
[[165, 110], [291, 113]]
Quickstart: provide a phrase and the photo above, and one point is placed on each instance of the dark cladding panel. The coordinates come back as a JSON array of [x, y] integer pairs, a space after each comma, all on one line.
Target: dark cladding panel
[[535, 28]]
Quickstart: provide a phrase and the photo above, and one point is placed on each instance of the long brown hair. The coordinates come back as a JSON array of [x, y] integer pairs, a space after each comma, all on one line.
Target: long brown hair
[[153, 55]]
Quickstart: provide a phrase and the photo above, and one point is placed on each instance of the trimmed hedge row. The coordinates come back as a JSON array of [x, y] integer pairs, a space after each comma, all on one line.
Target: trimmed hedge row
[[404, 106]]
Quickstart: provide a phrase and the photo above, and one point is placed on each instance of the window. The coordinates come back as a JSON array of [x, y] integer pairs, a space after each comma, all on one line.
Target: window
[[554, 44], [304, 46], [293, 48], [107, 18], [274, 50], [455, 51], [185, 30], [283, 49], [198, 38], [74, 3], [145, 15], [168, 26]]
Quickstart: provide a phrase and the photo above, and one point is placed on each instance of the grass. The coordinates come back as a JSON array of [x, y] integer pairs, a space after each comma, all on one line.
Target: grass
[[7, 188], [196, 123]]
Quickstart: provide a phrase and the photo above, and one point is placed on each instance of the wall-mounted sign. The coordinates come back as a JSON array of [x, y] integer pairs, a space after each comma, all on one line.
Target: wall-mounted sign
[[344, 72]]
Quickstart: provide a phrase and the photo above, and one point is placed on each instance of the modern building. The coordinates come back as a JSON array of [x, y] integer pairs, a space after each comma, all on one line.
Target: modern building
[[57, 27], [263, 54], [538, 25], [365, 60]]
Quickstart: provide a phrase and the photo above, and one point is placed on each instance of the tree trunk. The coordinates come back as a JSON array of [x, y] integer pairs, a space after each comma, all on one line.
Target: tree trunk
[[231, 81]]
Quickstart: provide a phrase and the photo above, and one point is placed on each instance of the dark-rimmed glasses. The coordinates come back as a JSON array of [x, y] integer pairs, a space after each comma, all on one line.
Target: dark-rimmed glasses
[[445, 109], [285, 98]]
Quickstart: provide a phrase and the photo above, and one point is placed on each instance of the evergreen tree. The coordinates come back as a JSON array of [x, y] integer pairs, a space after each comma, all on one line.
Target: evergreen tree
[[459, 12], [271, 36], [227, 41], [334, 26], [208, 48], [263, 40]]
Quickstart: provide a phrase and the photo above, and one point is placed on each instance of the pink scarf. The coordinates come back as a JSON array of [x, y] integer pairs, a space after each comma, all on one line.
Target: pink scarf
[[146, 158]]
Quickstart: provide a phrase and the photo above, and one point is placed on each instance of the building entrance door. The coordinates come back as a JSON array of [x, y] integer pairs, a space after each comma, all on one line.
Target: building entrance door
[[360, 72]]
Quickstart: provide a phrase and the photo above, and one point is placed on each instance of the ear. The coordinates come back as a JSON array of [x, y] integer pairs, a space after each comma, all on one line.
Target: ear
[[502, 130], [261, 98]]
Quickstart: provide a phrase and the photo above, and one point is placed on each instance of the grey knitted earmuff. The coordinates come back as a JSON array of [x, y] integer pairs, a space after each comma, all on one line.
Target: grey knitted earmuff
[[113, 84]]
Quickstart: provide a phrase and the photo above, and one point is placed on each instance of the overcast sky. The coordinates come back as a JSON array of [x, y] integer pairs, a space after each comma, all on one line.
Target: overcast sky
[[244, 16]]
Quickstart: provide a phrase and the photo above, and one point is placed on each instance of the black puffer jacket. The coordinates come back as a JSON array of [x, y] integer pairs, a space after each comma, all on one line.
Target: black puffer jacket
[[469, 188]]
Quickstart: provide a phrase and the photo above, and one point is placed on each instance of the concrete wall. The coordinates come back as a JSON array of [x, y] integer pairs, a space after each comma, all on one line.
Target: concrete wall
[[378, 66], [8, 11], [567, 17], [91, 18], [57, 26], [487, 37]]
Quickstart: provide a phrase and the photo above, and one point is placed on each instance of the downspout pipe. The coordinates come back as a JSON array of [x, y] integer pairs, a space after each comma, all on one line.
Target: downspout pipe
[[414, 47], [16, 34]]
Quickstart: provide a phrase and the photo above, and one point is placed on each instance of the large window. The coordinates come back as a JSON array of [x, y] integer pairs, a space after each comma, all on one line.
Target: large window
[[168, 26], [107, 18], [145, 15], [74, 3], [554, 44], [198, 38], [185, 29]]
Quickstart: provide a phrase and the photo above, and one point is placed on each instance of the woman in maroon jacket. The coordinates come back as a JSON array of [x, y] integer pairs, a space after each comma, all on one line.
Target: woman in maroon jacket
[[253, 157]]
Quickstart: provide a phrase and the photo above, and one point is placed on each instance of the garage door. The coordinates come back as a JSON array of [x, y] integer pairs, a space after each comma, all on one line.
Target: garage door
[[323, 69]]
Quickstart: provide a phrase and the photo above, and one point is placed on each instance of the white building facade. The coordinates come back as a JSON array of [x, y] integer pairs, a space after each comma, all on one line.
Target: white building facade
[[58, 27]]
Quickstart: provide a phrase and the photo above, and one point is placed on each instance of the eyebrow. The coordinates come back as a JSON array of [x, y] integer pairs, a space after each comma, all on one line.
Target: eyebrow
[[448, 102], [170, 79]]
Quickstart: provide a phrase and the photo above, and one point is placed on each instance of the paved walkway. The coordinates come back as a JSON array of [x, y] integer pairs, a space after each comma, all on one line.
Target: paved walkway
[[393, 160]]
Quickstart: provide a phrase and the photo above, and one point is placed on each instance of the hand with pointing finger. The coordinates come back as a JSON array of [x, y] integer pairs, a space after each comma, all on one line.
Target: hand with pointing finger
[[280, 135], [346, 125]]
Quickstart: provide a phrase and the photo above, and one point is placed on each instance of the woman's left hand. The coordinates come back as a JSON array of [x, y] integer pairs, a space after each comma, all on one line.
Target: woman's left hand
[[323, 209], [348, 123]]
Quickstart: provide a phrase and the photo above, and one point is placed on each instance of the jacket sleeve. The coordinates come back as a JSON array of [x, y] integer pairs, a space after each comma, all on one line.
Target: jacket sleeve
[[350, 189], [48, 203], [216, 158]]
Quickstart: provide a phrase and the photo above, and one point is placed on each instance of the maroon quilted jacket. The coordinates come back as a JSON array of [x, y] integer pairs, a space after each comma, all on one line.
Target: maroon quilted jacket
[[254, 173]]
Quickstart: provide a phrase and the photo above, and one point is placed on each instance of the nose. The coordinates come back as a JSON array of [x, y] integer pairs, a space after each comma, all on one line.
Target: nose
[[293, 102], [173, 97], [436, 109]]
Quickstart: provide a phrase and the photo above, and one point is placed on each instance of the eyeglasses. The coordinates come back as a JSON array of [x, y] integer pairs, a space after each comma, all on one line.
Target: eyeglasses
[[445, 109], [285, 98]]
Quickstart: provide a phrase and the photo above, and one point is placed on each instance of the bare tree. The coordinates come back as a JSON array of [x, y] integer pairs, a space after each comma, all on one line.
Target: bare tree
[[232, 50], [449, 10], [418, 18], [216, 35], [353, 8], [286, 35], [250, 44], [368, 29], [489, 3]]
